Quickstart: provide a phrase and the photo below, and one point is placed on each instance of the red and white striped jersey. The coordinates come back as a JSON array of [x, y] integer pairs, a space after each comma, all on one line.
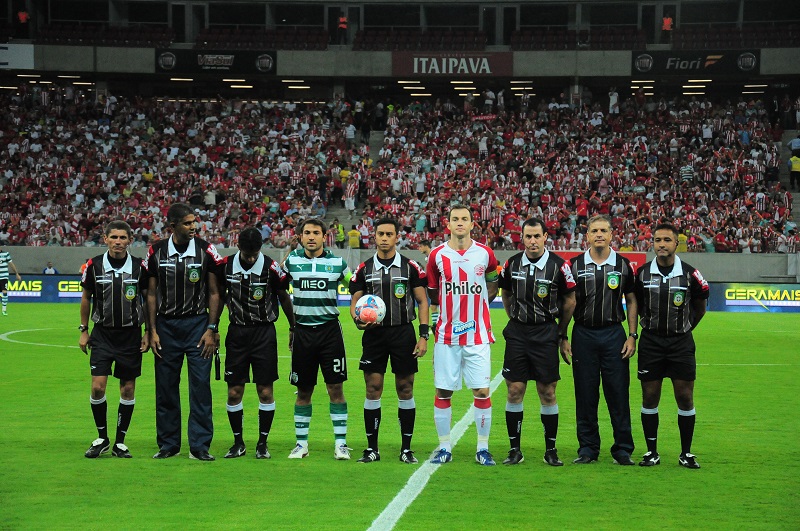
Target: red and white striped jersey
[[461, 278]]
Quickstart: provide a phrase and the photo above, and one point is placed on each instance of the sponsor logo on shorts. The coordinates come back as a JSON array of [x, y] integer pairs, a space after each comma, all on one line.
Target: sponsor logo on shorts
[[643, 371], [462, 328], [228, 373], [293, 377]]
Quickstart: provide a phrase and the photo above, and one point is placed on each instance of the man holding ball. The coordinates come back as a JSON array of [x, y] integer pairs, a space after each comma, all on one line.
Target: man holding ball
[[400, 283]]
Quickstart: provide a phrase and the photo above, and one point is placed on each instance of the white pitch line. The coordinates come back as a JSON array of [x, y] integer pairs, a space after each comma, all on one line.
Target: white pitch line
[[4, 337], [746, 364], [416, 483]]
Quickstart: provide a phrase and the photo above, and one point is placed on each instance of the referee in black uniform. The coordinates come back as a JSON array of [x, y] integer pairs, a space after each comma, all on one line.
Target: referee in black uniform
[[183, 305], [539, 298], [401, 284], [254, 286], [600, 345], [112, 293], [672, 299]]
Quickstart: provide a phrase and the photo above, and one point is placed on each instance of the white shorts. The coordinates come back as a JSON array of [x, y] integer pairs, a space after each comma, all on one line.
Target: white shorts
[[451, 362]]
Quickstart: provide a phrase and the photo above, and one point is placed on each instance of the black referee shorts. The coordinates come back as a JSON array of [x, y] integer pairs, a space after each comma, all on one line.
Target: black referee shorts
[[667, 357], [251, 346], [531, 352], [117, 346], [315, 347], [381, 343]]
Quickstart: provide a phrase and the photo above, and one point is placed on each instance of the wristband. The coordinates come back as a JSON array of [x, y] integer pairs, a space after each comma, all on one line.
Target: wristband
[[213, 327], [424, 330]]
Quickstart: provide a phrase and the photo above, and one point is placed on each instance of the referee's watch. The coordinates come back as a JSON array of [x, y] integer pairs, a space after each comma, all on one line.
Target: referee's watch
[[214, 328], [634, 335], [83, 328]]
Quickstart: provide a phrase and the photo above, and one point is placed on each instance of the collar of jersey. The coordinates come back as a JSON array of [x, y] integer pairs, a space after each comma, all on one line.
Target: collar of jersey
[[172, 251], [301, 252], [237, 264], [611, 260], [127, 267], [379, 265], [677, 269], [539, 264]]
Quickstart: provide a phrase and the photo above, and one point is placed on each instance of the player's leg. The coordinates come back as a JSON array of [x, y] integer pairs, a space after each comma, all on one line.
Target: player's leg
[[266, 414], [168, 367], [264, 360], [4, 296], [201, 425], [516, 371], [99, 406], [127, 401], [406, 414], [684, 397], [235, 409], [651, 373], [305, 367], [616, 389], [127, 368], [372, 415], [333, 365], [478, 375], [549, 416], [586, 377], [446, 379], [404, 366]]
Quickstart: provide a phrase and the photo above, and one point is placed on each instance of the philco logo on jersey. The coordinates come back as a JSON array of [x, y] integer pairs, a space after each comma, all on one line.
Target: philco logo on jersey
[[462, 328], [462, 288], [130, 289], [400, 290], [314, 284], [193, 272], [612, 279]]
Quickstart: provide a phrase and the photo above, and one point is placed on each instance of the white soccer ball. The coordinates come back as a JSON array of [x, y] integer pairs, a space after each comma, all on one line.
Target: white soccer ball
[[370, 309]]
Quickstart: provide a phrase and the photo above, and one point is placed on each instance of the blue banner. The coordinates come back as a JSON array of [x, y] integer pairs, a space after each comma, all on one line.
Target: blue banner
[[45, 288], [759, 298]]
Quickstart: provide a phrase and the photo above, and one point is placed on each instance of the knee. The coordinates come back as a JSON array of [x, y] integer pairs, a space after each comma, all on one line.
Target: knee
[[336, 393], [98, 392], [516, 392], [235, 395], [127, 390], [405, 392]]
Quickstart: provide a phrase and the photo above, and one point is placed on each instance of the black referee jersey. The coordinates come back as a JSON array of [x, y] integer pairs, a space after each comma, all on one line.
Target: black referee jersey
[[394, 284], [116, 287], [600, 289], [536, 286], [182, 277], [665, 301], [252, 294]]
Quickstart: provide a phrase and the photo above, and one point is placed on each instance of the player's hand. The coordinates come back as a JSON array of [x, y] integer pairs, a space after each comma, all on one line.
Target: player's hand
[[421, 348], [629, 348], [83, 342], [155, 343], [144, 346], [361, 325], [208, 343], [566, 350], [217, 340]]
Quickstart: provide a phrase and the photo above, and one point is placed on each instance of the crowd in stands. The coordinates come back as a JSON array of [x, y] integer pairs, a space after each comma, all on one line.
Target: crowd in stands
[[69, 163]]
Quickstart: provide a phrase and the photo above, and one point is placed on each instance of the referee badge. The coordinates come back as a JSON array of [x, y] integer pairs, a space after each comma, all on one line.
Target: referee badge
[[542, 288], [258, 293], [194, 272], [130, 289], [399, 290], [612, 279], [678, 298]]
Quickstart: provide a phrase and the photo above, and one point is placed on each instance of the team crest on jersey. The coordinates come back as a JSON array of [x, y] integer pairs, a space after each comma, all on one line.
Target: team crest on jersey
[[193, 272], [258, 293], [677, 298], [542, 288], [400, 290], [130, 291], [480, 269], [612, 279]]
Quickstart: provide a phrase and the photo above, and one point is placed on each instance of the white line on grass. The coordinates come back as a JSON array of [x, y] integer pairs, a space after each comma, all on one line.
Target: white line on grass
[[416, 483], [5, 337]]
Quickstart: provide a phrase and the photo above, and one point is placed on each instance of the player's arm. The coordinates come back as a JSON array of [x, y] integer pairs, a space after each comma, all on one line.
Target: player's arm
[[568, 303], [432, 276], [86, 306], [424, 328], [14, 267], [492, 277], [698, 311], [144, 346], [210, 340], [152, 310], [629, 348]]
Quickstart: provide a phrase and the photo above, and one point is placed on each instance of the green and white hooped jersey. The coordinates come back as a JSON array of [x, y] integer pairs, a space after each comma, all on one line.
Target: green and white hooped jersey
[[315, 283], [5, 259]]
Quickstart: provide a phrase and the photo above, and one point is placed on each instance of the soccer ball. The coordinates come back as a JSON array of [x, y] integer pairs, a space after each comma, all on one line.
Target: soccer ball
[[370, 309]]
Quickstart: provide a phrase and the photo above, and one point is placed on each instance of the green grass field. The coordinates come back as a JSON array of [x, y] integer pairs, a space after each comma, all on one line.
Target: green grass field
[[746, 431]]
